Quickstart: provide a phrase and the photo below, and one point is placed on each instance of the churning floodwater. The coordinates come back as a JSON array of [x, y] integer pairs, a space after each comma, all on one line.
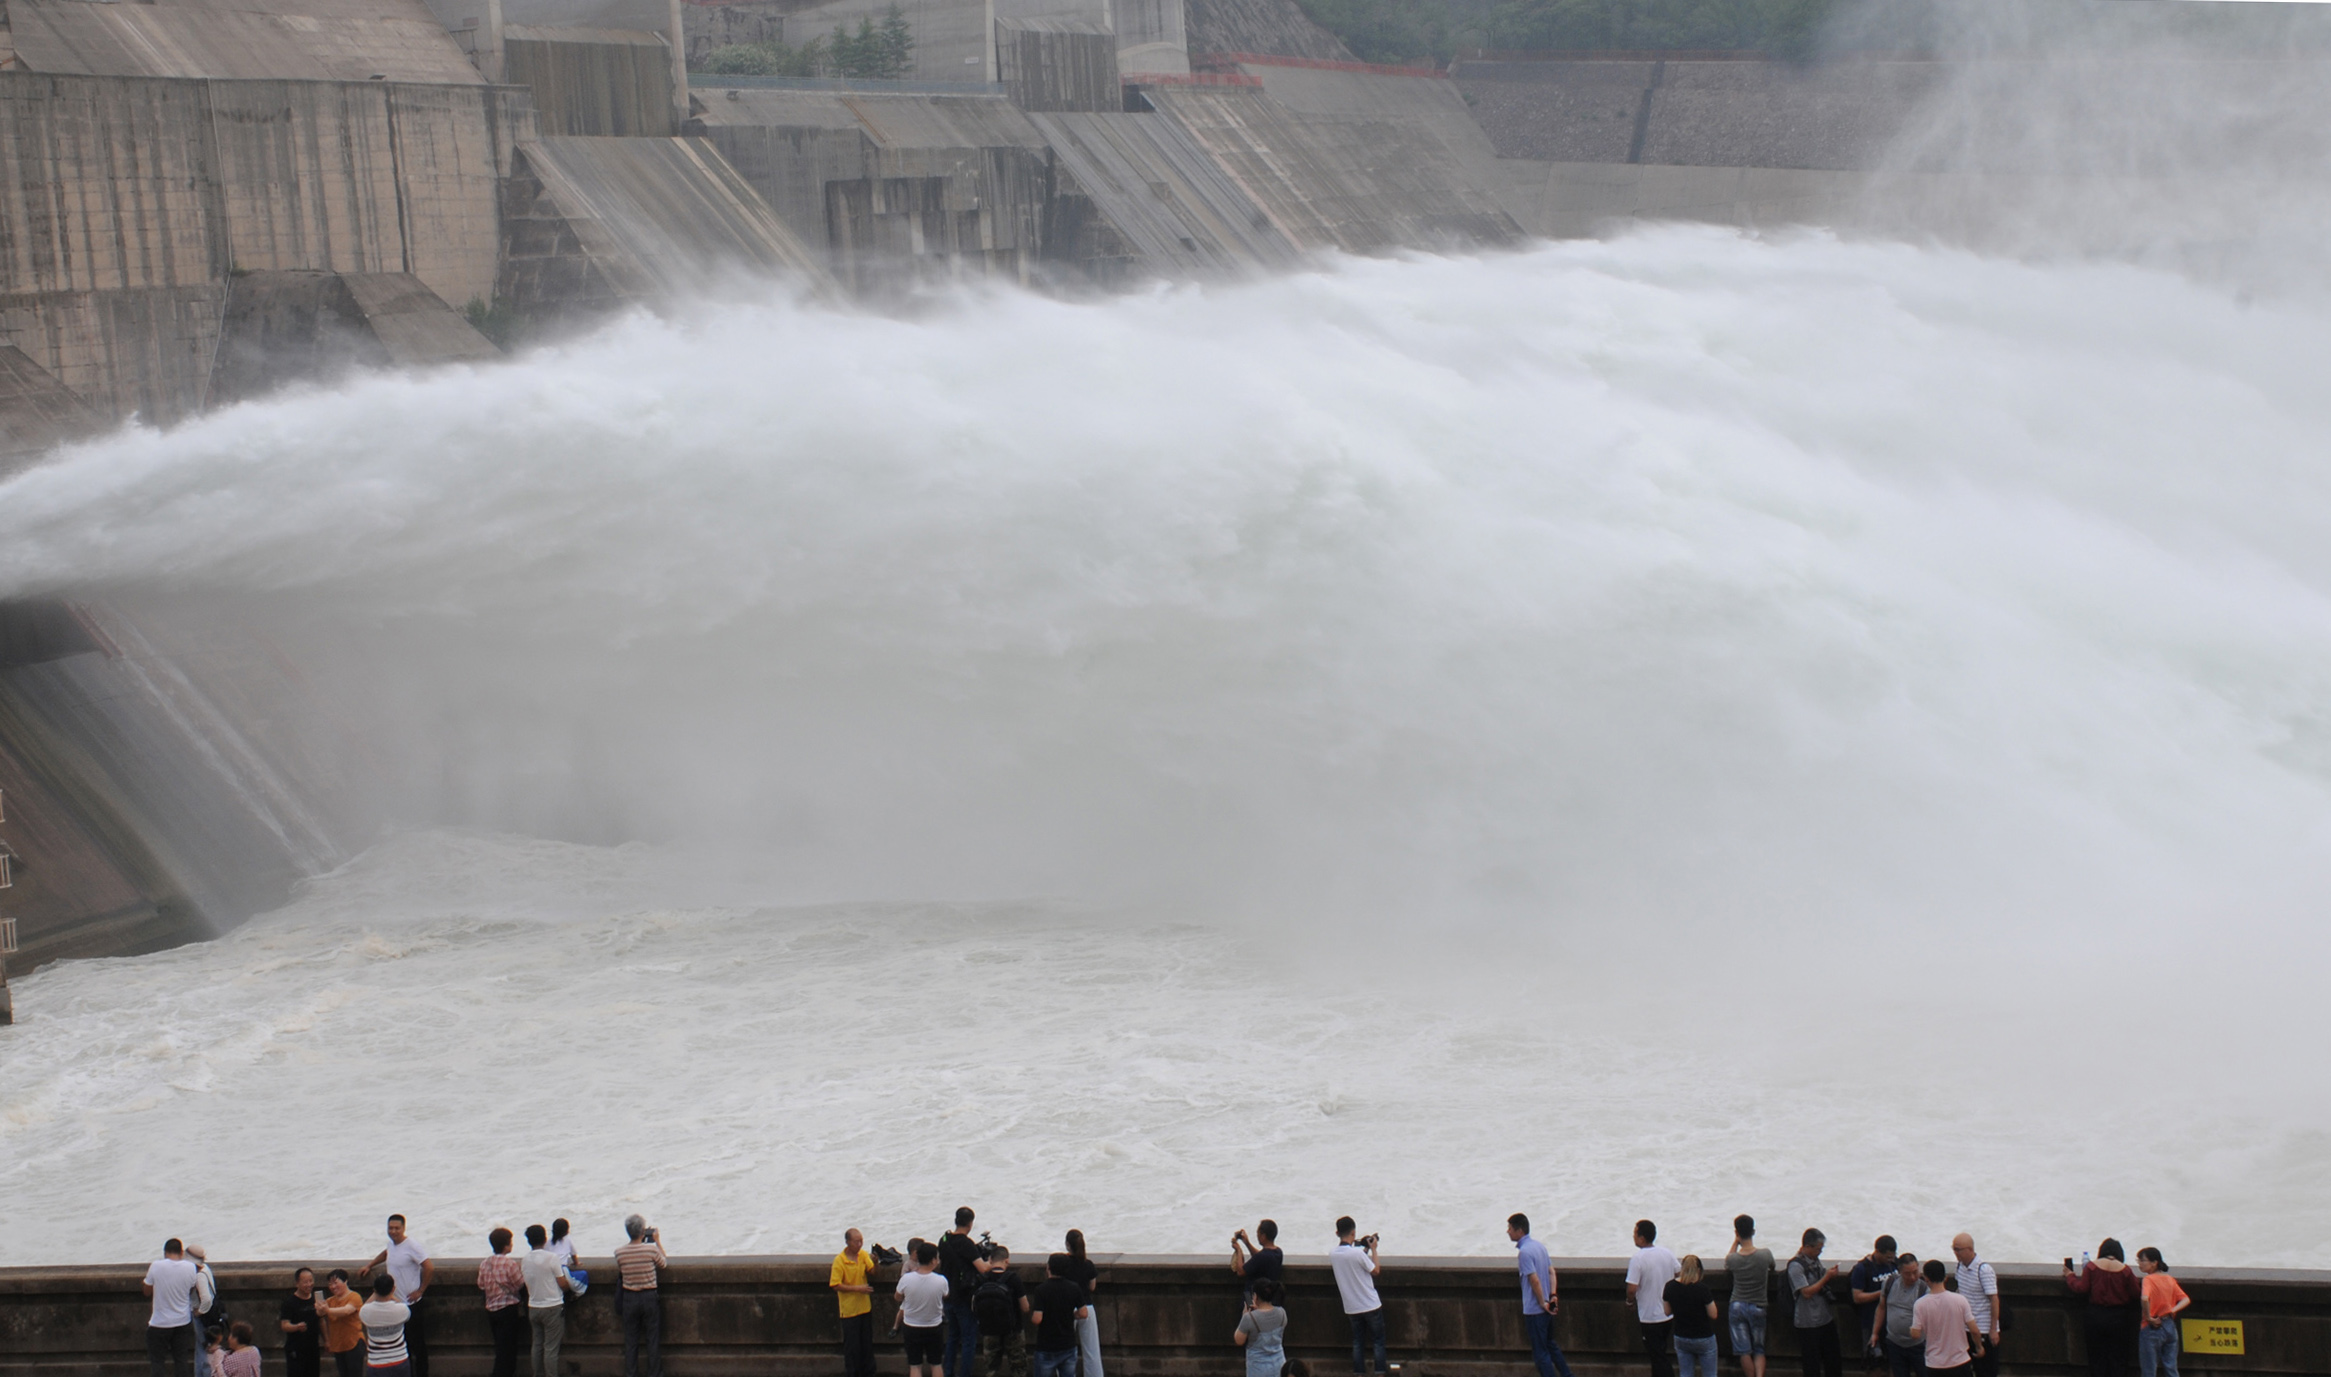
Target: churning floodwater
[[1669, 726]]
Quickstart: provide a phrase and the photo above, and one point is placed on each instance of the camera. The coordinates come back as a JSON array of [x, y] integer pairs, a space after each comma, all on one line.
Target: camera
[[986, 1247], [1368, 1241], [650, 1236]]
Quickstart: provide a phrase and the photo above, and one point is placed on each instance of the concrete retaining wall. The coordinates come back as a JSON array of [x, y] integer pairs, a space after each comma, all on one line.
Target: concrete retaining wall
[[609, 82], [1159, 1317], [125, 203], [1058, 64], [934, 186], [309, 40]]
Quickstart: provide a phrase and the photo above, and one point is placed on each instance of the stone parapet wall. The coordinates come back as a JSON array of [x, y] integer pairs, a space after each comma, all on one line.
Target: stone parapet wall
[[1159, 1317]]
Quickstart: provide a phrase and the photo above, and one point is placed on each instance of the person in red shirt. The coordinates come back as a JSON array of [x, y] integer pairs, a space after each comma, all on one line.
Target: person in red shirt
[[2112, 1289]]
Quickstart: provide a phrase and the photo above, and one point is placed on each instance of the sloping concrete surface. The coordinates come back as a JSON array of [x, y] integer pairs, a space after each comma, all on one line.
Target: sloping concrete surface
[[1329, 182], [665, 216], [37, 412], [416, 327], [1278, 27], [1177, 208], [286, 327]]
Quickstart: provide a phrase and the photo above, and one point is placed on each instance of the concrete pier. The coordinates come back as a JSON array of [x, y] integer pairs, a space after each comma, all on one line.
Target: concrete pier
[[1160, 1316]]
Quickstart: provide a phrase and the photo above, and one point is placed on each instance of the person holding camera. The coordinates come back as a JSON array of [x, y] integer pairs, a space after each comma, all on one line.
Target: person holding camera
[[1817, 1346], [962, 1261], [639, 1306], [1258, 1258], [1356, 1269]]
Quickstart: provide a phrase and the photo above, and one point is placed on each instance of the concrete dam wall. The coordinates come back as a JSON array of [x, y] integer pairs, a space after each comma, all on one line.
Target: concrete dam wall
[[1159, 1317]]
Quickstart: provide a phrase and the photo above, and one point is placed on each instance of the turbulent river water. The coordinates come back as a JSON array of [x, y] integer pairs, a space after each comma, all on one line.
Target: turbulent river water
[[1669, 726]]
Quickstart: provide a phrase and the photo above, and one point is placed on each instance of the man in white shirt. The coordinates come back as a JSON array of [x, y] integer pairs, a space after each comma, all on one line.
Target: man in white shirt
[[169, 1284], [922, 1311], [409, 1266], [1648, 1273], [1354, 1262], [547, 1285]]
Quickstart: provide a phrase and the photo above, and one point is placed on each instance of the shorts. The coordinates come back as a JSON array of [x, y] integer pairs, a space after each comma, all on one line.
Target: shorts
[[1747, 1329], [926, 1346]]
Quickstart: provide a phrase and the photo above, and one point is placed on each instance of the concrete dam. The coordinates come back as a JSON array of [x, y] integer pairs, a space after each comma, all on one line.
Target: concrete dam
[[207, 200], [556, 602]]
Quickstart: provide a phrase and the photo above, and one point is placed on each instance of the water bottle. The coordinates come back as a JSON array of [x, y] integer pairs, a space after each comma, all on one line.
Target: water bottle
[[2083, 1262]]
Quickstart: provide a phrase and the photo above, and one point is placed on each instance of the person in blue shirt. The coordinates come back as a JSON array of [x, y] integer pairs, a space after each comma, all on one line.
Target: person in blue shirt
[[1540, 1304]]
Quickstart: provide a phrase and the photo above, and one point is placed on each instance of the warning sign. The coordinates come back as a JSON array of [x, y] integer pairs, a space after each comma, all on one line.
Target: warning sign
[[2213, 1336]]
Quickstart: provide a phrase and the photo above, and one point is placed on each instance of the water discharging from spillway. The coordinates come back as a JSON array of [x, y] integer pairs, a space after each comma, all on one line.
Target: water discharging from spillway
[[1660, 727]]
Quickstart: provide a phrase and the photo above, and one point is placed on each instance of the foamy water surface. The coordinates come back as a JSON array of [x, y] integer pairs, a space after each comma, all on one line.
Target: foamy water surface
[[1673, 726]]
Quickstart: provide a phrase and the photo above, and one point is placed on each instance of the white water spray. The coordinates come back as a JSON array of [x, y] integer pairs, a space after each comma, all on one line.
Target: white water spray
[[1673, 654]]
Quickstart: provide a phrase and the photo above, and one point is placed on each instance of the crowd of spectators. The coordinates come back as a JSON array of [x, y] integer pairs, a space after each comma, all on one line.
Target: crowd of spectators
[[961, 1308]]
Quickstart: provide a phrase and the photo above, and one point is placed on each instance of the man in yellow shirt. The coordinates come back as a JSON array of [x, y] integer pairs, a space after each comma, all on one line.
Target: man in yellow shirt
[[853, 1285]]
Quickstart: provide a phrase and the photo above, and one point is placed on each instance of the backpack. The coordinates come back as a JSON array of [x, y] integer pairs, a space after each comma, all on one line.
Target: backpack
[[993, 1307]]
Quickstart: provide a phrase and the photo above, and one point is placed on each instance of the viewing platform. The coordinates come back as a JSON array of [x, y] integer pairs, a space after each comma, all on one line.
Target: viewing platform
[[1160, 1316]]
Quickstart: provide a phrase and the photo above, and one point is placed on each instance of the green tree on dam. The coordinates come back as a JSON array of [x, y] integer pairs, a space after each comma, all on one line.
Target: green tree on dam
[[874, 52]]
